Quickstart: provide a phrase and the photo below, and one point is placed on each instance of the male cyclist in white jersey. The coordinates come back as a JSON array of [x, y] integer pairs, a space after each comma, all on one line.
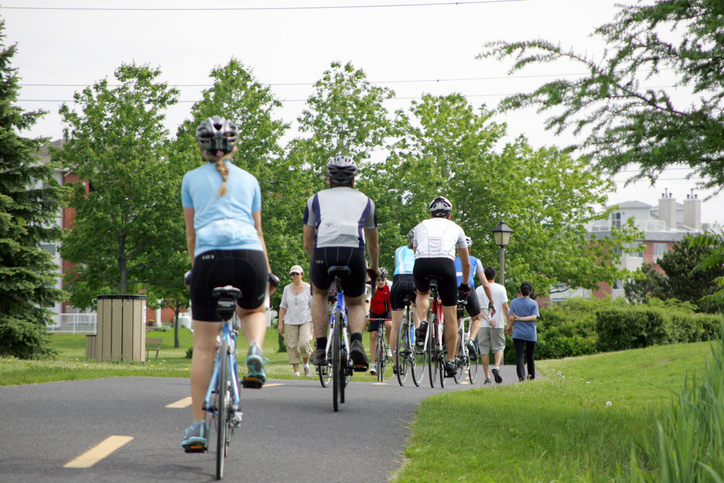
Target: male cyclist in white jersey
[[436, 241], [337, 221]]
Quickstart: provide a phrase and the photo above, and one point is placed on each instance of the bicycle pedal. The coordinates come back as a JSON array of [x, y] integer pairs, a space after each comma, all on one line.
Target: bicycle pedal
[[251, 383], [360, 368], [195, 449]]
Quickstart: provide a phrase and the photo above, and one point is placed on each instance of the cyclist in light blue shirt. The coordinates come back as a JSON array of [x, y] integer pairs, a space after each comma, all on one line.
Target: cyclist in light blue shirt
[[222, 210]]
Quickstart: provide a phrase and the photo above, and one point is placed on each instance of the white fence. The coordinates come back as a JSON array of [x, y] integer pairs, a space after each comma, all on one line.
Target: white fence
[[74, 324]]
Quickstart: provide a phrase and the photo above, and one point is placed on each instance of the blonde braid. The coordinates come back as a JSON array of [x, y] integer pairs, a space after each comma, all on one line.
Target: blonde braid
[[224, 172]]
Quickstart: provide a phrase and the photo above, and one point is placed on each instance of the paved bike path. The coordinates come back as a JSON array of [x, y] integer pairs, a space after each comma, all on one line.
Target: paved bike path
[[289, 432]]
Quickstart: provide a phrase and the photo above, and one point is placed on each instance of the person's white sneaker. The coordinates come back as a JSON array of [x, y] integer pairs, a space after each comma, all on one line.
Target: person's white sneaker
[[307, 371], [389, 352], [296, 374], [373, 368]]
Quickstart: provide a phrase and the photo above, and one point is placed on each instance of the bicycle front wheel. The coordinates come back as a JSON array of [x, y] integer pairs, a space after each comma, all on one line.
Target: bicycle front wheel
[[381, 357], [221, 415], [403, 351]]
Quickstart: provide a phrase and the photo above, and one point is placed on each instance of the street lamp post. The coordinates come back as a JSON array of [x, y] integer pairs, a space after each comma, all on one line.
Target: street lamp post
[[501, 235]]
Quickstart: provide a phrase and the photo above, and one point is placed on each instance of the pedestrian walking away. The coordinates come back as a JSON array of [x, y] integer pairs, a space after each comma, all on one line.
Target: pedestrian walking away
[[522, 327], [492, 328]]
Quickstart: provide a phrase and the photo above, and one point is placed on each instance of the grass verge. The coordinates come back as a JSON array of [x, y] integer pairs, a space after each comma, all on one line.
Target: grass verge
[[577, 425], [71, 364]]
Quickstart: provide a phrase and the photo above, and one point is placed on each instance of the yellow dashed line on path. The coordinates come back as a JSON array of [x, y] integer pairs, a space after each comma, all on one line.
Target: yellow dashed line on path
[[183, 403], [97, 453]]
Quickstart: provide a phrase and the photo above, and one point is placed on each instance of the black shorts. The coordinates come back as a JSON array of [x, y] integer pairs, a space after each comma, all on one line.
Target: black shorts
[[243, 269], [377, 319], [402, 285], [447, 281], [354, 258], [473, 305]]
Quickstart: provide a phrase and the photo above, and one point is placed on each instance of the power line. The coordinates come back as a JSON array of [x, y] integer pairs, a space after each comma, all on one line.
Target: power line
[[247, 9]]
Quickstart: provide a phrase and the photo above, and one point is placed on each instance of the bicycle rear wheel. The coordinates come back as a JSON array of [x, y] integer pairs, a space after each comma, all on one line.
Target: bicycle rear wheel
[[460, 361], [403, 351], [473, 368], [337, 373], [419, 356], [432, 349], [221, 408]]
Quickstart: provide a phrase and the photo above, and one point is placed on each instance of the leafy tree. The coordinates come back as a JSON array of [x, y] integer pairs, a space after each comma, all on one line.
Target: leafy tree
[[649, 284], [126, 204], [714, 259], [622, 121], [29, 203], [686, 284], [544, 195]]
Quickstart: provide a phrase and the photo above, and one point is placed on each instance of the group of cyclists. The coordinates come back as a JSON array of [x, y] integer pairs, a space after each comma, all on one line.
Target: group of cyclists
[[222, 211]]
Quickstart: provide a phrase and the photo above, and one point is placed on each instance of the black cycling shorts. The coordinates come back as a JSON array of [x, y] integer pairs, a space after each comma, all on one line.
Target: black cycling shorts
[[447, 281], [243, 269], [378, 319], [354, 258], [473, 305], [402, 285]]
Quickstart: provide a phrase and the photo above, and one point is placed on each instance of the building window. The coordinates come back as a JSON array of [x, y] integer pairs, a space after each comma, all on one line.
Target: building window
[[48, 247], [660, 250], [637, 254], [616, 220]]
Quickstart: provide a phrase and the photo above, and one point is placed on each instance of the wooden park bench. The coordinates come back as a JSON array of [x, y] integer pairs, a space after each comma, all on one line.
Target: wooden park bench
[[153, 343]]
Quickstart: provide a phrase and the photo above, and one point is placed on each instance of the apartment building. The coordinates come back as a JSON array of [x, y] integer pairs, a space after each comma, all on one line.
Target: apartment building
[[663, 225]]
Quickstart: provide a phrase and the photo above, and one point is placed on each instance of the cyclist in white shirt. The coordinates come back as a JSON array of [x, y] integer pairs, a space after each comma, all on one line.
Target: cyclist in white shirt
[[436, 241]]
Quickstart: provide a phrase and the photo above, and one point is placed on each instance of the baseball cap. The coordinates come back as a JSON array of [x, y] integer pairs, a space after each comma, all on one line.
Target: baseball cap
[[296, 268]]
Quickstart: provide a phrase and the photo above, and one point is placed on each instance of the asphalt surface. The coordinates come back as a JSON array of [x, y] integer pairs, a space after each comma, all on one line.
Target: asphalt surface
[[289, 432]]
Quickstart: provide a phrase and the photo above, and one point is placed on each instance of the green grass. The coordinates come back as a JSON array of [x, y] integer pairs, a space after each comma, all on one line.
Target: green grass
[[559, 429], [71, 364]]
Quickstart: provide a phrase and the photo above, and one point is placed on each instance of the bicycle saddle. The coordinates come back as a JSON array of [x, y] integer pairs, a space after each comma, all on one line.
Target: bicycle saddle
[[340, 272]]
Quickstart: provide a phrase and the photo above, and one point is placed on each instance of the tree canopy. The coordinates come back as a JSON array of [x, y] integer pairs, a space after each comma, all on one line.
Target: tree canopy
[[126, 200], [29, 204], [619, 119]]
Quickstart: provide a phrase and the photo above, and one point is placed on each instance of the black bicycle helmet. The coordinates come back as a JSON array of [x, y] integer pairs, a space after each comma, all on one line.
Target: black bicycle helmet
[[217, 134], [383, 273], [341, 170], [440, 207]]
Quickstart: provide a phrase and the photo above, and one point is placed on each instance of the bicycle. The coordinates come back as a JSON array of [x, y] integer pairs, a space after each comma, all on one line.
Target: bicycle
[[338, 344], [222, 404], [463, 360], [407, 350], [435, 348], [381, 358]]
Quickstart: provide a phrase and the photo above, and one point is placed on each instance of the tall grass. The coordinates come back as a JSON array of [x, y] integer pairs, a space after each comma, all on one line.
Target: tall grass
[[689, 441]]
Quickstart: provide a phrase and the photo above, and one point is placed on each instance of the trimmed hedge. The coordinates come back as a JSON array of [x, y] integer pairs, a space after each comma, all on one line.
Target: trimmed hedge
[[640, 326]]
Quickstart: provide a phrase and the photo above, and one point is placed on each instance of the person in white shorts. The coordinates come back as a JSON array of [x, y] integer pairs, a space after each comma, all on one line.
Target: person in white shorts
[[492, 328]]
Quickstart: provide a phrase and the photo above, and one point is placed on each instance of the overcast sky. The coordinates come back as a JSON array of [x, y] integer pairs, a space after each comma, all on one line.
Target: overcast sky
[[412, 47]]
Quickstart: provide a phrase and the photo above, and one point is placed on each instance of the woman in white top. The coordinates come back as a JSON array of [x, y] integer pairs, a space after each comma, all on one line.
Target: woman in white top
[[295, 320]]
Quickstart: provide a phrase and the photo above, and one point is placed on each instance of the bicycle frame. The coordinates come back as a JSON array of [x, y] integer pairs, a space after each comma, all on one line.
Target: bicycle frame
[[228, 334], [345, 330]]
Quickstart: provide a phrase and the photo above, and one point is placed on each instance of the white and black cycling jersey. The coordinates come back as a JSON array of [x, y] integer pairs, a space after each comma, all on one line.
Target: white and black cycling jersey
[[339, 216], [438, 238]]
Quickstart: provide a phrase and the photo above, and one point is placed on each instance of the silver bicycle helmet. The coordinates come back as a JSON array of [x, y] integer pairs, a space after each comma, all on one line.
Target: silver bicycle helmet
[[217, 134], [383, 273], [341, 170], [440, 207], [411, 234]]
